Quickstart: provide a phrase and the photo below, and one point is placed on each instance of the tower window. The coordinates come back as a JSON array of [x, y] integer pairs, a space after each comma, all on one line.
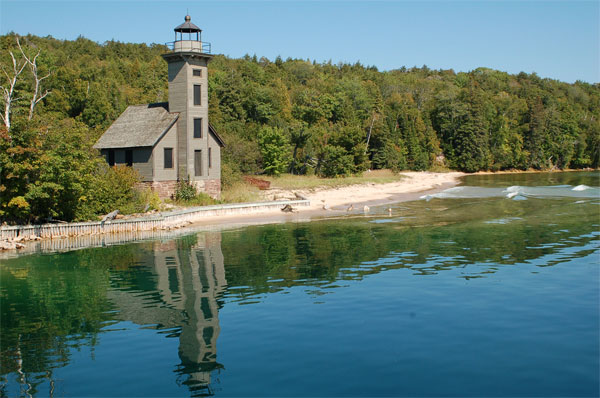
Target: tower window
[[129, 157], [209, 158], [197, 72], [168, 158], [197, 93], [198, 128], [198, 163]]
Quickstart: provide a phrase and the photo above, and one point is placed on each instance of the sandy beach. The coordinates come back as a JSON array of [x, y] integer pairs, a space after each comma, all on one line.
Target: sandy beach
[[331, 202], [324, 203], [376, 194]]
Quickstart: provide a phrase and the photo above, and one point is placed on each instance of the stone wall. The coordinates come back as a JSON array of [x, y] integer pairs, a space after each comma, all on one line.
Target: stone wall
[[211, 187], [164, 189]]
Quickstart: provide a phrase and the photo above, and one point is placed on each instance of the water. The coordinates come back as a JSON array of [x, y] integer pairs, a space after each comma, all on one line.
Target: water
[[461, 295]]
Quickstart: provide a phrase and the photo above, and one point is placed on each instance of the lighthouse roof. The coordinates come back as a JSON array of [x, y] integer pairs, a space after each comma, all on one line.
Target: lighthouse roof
[[187, 26]]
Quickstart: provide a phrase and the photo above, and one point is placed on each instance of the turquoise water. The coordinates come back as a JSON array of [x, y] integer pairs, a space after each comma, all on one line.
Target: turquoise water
[[473, 292]]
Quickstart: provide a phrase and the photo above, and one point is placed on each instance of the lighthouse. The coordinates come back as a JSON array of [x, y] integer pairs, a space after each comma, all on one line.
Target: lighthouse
[[174, 141], [198, 157]]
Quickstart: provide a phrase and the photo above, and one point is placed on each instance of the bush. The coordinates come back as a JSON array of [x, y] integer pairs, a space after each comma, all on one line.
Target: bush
[[230, 175], [185, 191], [150, 198], [114, 188], [186, 194]]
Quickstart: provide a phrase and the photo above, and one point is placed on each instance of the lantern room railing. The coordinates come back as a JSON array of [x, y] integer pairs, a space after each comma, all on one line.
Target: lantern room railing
[[189, 45]]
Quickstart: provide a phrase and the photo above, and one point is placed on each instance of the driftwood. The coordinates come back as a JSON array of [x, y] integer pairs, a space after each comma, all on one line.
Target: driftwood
[[301, 197], [110, 216], [288, 209]]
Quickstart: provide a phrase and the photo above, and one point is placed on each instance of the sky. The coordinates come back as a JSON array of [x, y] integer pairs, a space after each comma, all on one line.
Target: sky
[[556, 39]]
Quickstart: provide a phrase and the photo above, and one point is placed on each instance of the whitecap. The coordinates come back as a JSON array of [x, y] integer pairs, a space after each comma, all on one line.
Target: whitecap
[[580, 188], [512, 191]]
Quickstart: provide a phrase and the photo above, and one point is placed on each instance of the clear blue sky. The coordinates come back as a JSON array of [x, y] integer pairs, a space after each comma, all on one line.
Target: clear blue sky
[[555, 39]]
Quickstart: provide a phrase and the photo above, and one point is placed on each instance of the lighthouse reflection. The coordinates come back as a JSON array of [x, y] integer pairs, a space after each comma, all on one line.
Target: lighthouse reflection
[[190, 279]]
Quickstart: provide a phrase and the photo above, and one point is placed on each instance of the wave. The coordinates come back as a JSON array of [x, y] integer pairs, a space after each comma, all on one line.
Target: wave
[[517, 192], [581, 188]]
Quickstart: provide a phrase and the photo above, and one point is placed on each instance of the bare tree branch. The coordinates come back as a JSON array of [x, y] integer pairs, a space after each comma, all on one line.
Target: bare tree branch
[[8, 91], [36, 97]]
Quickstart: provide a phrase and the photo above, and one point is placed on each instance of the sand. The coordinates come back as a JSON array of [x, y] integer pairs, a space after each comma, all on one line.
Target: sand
[[373, 194], [324, 204], [334, 202]]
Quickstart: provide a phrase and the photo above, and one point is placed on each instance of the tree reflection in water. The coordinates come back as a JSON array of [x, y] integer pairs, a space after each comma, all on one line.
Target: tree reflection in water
[[55, 304], [173, 286]]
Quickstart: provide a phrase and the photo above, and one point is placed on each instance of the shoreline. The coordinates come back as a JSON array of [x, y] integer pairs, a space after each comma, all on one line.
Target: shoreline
[[415, 185], [412, 187], [325, 204]]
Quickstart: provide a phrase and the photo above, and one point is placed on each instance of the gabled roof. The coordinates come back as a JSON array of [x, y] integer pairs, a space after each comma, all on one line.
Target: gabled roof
[[138, 126], [217, 137]]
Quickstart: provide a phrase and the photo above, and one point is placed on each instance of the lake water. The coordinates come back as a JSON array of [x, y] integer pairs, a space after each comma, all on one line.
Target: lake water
[[490, 288]]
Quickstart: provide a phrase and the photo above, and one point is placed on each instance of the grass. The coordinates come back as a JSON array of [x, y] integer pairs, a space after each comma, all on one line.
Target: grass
[[289, 181], [240, 192]]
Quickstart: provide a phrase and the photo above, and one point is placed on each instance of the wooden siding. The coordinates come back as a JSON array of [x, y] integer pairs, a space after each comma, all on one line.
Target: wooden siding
[[142, 160], [169, 140], [178, 102], [181, 99], [214, 172]]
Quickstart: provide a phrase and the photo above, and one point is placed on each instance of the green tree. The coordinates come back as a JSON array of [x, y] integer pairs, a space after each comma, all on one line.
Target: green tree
[[274, 148]]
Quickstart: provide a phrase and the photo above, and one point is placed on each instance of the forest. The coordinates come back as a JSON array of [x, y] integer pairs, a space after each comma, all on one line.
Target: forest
[[276, 116]]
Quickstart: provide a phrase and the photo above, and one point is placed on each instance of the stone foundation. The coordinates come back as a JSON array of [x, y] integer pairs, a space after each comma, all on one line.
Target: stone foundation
[[211, 187], [164, 189]]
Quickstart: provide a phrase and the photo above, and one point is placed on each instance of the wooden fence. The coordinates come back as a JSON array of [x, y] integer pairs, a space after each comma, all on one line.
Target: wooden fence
[[160, 221]]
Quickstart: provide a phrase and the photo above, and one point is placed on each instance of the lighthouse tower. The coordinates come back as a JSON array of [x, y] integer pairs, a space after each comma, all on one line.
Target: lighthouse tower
[[198, 145], [172, 141]]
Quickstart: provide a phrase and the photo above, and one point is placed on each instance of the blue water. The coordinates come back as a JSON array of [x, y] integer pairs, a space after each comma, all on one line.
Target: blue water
[[460, 295]]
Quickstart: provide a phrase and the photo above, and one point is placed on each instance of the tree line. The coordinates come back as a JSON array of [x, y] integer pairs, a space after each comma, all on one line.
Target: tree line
[[276, 116]]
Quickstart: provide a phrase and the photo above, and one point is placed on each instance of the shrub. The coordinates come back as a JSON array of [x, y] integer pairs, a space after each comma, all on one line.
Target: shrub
[[230, 175], [186, 194], [112, 188], [185, 191]]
